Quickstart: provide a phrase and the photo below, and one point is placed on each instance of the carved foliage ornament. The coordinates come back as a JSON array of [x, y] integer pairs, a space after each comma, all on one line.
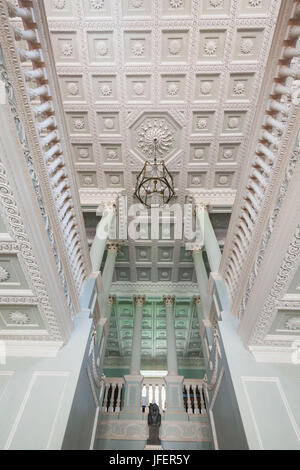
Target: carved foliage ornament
[[139, 300], [19, 318], [176, 3], [210, 46], [4, 274], [255, 3], [97, 4], [59, 4], [169, 300], [67, 49], [155, 129], [247, 46], [137, 3], [216, 3]]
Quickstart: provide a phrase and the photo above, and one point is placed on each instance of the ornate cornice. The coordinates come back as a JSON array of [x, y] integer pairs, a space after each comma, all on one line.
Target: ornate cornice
[[99, 198], [158, 289], [212, 198]]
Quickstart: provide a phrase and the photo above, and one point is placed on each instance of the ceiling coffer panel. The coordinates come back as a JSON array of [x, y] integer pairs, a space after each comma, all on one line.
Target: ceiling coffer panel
[[188, 70]]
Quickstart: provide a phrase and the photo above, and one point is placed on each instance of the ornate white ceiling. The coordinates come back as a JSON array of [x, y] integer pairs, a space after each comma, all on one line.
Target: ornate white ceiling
[[186, 71], [189, 69]]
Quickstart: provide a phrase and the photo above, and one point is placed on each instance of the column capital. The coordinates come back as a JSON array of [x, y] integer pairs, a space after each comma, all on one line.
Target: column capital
[[200, 204], [109, 206], [113, 247], [139, 300], [197, 300], [111, 300], [169, 299], [107, 202], [194, 247]]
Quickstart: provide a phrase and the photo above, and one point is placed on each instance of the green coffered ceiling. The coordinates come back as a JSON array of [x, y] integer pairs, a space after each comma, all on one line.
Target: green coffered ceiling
[[154, 336]]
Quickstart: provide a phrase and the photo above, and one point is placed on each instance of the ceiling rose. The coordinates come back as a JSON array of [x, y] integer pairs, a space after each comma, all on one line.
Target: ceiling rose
[[158, 129]]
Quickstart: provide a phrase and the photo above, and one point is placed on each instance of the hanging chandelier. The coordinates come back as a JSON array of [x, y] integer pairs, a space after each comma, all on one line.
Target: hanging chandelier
[[155, 185]]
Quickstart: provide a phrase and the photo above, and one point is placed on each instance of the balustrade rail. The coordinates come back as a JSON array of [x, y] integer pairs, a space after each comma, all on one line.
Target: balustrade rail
[[154, 391]]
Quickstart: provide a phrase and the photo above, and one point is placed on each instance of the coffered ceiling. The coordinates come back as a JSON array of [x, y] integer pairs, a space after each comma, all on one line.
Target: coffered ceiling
[[154, 336], [160, 261], [187, 71]]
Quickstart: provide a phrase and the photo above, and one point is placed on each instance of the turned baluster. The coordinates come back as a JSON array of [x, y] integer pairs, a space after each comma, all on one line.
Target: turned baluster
[[189, 401], [202, 402], [147, 398], [112, 398], [105, 399], [196, 404], [160, 397]]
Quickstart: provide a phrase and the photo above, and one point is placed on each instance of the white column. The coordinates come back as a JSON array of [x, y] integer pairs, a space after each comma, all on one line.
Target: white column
[[102, 333], [171, 337], [209, 237], [202, 279], [135, 367], [102, 234], [107, 276]]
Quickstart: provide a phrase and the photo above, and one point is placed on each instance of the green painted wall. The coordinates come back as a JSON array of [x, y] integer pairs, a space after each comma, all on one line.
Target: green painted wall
[[267, 397], [79, 430], [36, 394]]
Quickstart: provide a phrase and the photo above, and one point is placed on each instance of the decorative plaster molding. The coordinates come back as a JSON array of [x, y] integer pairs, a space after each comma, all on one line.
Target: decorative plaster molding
[[158, 289], [122, 430], [266, 236], [180, 431], [98, 197], [213, 198], [284, 276], [17, 231], [34, 176]]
